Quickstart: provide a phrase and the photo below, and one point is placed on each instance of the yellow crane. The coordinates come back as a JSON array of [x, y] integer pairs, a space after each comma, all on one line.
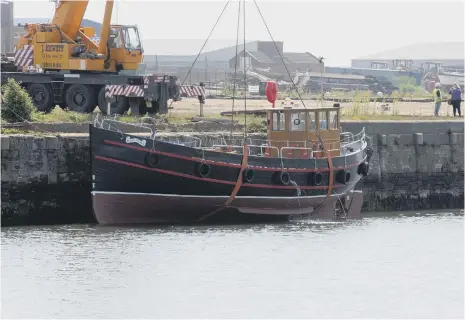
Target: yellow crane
[[65, 45], [58, 63]]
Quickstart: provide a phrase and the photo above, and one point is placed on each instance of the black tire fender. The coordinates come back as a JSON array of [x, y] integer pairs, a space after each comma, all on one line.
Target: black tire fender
[[363, 168], [315, 178], [248, 175], [152, 159], [282, 177], [204, 170], [343, 176]]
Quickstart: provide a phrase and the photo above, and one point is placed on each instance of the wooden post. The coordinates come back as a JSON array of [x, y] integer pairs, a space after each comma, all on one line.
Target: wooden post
[[201, 109]]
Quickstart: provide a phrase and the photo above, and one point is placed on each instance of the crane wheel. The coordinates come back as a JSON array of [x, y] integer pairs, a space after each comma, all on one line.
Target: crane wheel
[[42, 98], [80, 98], [118, 104]]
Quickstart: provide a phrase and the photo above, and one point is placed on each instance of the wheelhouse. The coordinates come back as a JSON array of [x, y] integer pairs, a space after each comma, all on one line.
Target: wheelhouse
[[303, 132]]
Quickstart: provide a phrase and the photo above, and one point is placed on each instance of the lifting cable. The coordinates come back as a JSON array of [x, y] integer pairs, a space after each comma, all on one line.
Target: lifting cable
[[328, 155], [279, 53], [235, 69], [201, 49], [245, 78]]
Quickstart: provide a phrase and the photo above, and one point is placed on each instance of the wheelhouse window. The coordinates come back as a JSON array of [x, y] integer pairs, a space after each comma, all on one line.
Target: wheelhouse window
[[312, 119], [333, 120], [298, 121], [323, 120], [279, 121]]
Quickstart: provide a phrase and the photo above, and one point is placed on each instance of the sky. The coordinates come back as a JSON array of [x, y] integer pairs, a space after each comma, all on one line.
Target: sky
[[337, 30]]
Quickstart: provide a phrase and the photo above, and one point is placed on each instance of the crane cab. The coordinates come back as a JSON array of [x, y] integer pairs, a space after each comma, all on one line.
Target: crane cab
[[125, 47], [296, 132]]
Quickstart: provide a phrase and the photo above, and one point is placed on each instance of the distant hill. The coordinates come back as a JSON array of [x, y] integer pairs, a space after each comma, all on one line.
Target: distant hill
[[22, 21], [85, 23], [422, 51]]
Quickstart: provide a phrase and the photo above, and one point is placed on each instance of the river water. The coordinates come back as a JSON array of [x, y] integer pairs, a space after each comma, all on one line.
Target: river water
[[407, 265]]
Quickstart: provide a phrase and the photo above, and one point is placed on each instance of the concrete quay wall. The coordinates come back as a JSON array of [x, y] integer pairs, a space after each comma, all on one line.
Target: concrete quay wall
[[420, 165]]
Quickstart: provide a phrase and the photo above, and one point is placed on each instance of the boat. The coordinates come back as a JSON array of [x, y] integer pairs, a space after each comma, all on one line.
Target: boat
[[305, 168]]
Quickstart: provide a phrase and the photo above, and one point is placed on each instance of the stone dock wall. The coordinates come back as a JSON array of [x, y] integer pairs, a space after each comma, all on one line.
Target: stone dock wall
[[415, 165]]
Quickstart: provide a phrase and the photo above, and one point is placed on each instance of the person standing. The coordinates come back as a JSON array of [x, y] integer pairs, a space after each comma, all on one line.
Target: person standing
[[437, 98], [456, 98]]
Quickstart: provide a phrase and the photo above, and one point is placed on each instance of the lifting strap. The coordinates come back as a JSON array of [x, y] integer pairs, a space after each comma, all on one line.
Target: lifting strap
[[236, 189], [238, 185], [331, 173], [331, 177]]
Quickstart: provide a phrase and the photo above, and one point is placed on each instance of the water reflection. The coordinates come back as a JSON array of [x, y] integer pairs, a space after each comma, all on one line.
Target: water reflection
[[317, 226]]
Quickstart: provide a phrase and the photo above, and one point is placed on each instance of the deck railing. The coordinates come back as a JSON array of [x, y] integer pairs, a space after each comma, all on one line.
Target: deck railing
[[348, 143]]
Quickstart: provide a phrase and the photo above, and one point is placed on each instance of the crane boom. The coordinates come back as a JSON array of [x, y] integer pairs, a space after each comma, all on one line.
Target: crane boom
[[69, 15], [105, 27]]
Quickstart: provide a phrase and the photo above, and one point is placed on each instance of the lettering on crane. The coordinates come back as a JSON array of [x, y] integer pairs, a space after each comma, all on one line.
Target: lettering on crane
[[53, 48], [51, 65]]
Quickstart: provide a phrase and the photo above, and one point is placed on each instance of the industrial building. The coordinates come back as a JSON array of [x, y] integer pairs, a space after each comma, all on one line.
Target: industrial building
[[216, 64], [448, 54], [7, 26]]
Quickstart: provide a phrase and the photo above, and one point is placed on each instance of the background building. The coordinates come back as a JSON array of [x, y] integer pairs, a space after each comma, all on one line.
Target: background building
[[416, 55], [7, 26], [216, 65]]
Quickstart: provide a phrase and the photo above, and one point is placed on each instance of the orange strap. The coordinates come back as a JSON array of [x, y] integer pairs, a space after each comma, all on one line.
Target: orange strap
[[331, 173], [239, 178], [236, 189]]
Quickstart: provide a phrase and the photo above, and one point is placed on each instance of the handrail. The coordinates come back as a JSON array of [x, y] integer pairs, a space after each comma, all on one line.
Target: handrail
[[220, 146], [265, 146], [196, 143], [310, 154], [152, 134]]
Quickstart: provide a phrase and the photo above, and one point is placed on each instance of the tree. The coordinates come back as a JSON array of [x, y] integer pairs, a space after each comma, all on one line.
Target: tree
[[17, 105]]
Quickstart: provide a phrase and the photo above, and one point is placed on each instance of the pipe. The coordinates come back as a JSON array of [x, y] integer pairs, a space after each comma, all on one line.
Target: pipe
[[105, 30]]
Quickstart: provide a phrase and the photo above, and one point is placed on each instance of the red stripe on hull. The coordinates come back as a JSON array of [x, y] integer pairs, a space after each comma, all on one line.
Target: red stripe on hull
[[183, 175]]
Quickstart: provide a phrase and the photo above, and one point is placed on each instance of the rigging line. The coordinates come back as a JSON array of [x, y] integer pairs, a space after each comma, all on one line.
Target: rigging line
[[203, 46], [277, 50], [235, 67], [245, 78], [287, 70]]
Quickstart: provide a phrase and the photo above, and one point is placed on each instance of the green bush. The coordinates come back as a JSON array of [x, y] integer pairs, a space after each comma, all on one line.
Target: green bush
[[16, 106], [407, 85]]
